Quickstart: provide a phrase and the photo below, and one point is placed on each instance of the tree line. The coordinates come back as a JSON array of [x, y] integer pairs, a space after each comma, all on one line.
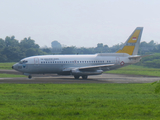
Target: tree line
[[144, 48], [12, 50]]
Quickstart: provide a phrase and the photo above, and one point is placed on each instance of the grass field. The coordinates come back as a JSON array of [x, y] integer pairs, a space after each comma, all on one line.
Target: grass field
[[137, 70], [78, 101], [3, 75], [81, 101], [6, 65]]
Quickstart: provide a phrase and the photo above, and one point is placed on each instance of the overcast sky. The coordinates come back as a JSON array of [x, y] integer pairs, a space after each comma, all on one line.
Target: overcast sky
[[81, 23]]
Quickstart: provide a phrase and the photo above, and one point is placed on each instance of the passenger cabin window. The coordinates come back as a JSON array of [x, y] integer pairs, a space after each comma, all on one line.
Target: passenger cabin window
[[65, 62]]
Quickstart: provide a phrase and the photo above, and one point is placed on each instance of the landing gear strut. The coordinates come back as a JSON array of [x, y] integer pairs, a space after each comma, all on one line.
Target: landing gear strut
[[29, 76], [76, 77], [84, 77]]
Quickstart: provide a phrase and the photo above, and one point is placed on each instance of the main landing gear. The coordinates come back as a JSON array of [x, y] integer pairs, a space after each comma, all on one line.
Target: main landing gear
[[76, 77], [83, 76]]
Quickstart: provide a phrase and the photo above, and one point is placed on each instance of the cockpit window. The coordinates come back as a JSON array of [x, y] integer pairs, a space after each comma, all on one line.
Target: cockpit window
[[23, 61]]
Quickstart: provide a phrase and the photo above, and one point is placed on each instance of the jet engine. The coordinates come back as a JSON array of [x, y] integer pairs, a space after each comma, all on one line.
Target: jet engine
[[81, 72]]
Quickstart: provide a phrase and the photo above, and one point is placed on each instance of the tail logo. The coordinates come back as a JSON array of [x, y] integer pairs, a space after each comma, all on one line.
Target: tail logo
[[134, 38]]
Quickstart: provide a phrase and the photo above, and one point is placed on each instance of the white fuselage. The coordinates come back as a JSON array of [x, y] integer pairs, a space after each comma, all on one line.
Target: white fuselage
[[63, 64]]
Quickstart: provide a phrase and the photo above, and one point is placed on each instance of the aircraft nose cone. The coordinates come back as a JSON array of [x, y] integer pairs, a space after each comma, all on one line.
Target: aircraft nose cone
[[14, 66]]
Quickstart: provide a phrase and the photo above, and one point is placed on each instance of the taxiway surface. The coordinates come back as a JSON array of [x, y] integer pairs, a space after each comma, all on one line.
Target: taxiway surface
[[51, 78]]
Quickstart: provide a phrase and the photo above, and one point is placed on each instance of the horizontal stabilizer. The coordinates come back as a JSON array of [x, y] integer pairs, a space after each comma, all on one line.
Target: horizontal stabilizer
[[137, 56]]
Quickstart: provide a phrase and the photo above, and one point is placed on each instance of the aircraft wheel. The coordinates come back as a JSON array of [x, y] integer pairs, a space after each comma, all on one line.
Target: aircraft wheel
[[29, 76], [84, 77], [76, 77]]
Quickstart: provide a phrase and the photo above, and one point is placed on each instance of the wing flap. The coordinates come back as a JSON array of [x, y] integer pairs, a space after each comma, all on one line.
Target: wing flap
[[95, 66]]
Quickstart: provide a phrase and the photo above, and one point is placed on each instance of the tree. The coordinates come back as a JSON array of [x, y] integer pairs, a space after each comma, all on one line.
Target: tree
[[68, 50], [2, 44], [11, 42], [56, 47], [99, 48], [105, 48], [46, 50], [28, 43], [12, 53], [31, 52], [116, 47], [84, 50], [30, 48]]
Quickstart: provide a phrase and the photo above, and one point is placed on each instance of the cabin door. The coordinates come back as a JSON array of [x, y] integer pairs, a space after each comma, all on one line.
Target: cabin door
[[117, 60], [36, 61]]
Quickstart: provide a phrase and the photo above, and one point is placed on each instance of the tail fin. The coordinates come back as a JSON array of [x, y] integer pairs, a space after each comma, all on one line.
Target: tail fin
[[131, 46]]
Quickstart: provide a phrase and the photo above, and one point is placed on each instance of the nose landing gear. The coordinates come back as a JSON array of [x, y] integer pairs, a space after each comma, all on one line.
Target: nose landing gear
[[29, 76]]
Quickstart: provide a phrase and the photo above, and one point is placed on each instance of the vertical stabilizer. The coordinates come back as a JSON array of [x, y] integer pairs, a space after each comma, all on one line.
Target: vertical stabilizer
[[131, 46]]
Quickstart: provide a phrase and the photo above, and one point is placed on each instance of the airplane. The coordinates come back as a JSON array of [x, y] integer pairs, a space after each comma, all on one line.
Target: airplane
[[83, 65]]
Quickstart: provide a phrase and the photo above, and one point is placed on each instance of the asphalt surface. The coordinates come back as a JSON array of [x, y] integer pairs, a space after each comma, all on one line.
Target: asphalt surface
[[53, 78]]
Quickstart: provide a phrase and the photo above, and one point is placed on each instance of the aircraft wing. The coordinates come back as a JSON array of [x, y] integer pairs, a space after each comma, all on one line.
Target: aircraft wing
[[87, 67], [95, 66]]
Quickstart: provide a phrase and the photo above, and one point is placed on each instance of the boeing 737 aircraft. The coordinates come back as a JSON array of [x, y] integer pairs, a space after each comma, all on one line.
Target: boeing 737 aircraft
[[83, 65]]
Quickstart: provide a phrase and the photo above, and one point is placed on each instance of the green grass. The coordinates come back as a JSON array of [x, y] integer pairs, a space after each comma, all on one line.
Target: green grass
[[3, 75], [6, 65], [78, 101], [136, 70]]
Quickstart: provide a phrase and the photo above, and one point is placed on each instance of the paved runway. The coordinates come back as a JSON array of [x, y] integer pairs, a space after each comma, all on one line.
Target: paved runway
[[104, 78]]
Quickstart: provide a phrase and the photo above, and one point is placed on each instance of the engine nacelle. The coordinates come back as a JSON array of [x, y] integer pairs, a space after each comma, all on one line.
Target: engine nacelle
[[79, 72]]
